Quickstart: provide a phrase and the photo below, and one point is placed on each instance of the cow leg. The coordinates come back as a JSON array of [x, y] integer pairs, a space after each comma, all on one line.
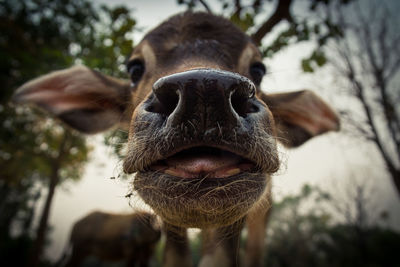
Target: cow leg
[[177, 250], [256, 222], [221, 246]]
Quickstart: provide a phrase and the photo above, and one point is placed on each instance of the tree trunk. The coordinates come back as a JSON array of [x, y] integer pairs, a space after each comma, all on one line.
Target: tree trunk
[[395, 173], [38, 244]]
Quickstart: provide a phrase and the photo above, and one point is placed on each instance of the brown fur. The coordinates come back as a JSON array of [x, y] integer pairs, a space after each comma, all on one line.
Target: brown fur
[[201, 40], [193, 44], [114, 237]]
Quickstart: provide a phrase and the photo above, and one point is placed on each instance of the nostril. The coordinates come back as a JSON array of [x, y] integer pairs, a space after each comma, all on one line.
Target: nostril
[[203, 90], [242, 102], [165, 98]]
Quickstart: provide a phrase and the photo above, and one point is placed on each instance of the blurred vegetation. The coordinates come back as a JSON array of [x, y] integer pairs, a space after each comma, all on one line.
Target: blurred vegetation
[[304, 231], [39, 36], [299, 21]]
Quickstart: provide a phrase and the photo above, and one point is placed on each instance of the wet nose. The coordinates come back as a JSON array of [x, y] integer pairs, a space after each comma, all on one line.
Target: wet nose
[[205, 97]]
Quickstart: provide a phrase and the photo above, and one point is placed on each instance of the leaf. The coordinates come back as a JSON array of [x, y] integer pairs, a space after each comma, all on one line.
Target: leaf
[[306, 190], [319, 58], [245, 22], [117, 12], [306, 65]]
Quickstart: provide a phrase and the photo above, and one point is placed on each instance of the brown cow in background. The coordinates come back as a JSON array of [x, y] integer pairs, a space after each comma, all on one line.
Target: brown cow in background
[[114, 237], [202, 135]]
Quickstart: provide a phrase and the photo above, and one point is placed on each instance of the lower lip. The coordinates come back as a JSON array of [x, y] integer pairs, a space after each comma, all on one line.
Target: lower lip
[[221, 173]]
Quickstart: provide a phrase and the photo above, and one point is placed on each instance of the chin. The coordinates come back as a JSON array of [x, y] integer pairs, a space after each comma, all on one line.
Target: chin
[[200, 202]]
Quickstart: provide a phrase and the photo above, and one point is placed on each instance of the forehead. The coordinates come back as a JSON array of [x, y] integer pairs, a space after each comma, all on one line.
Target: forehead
[[197, 34]]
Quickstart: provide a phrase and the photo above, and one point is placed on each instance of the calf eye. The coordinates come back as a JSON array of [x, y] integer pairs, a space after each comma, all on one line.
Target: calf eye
[[257, 71], [136, 70]]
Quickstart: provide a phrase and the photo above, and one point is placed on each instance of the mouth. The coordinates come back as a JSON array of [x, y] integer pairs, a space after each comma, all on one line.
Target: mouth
[[201, 186], [203, 162]]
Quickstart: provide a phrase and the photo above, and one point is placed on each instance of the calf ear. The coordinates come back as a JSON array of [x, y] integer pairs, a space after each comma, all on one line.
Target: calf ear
[[300, 116], [83, 98]]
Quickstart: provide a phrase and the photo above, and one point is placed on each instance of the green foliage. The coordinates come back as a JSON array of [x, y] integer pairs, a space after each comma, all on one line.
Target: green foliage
[[107, 52], [117, 140], [295, 33], [107, 48], [302, 232], [36, 36], [189, 3], [243, 21], [317, 59], [39, 36], [33, 42], [313, 26]]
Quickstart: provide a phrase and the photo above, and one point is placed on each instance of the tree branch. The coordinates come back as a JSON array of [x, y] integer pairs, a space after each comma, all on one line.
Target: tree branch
[[371, 122], [256, 5], [366, 40], [356, 125], [376, 139], [238, 8], [282, 12], [360, 94], [206, 6], [383, 33], [395, 66], [41, 232], [365, 71]]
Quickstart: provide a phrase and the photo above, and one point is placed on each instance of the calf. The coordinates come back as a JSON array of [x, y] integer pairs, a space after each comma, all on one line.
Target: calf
[[114, 237], [202, 135]]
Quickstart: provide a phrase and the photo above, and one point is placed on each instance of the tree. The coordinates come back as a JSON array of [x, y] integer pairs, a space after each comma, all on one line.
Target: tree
[[34, 149], [289, 27], [40, 36], [305, 231], [367, 59]]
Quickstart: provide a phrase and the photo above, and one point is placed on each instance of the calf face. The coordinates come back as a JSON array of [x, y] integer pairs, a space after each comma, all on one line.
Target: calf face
[[202, 137], [201, 142]]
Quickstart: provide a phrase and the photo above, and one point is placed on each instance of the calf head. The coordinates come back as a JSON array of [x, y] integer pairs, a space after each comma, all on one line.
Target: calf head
[[202, 136]]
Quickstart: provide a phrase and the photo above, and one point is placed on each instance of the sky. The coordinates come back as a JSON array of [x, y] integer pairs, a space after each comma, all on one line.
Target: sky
[[330, 161]]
